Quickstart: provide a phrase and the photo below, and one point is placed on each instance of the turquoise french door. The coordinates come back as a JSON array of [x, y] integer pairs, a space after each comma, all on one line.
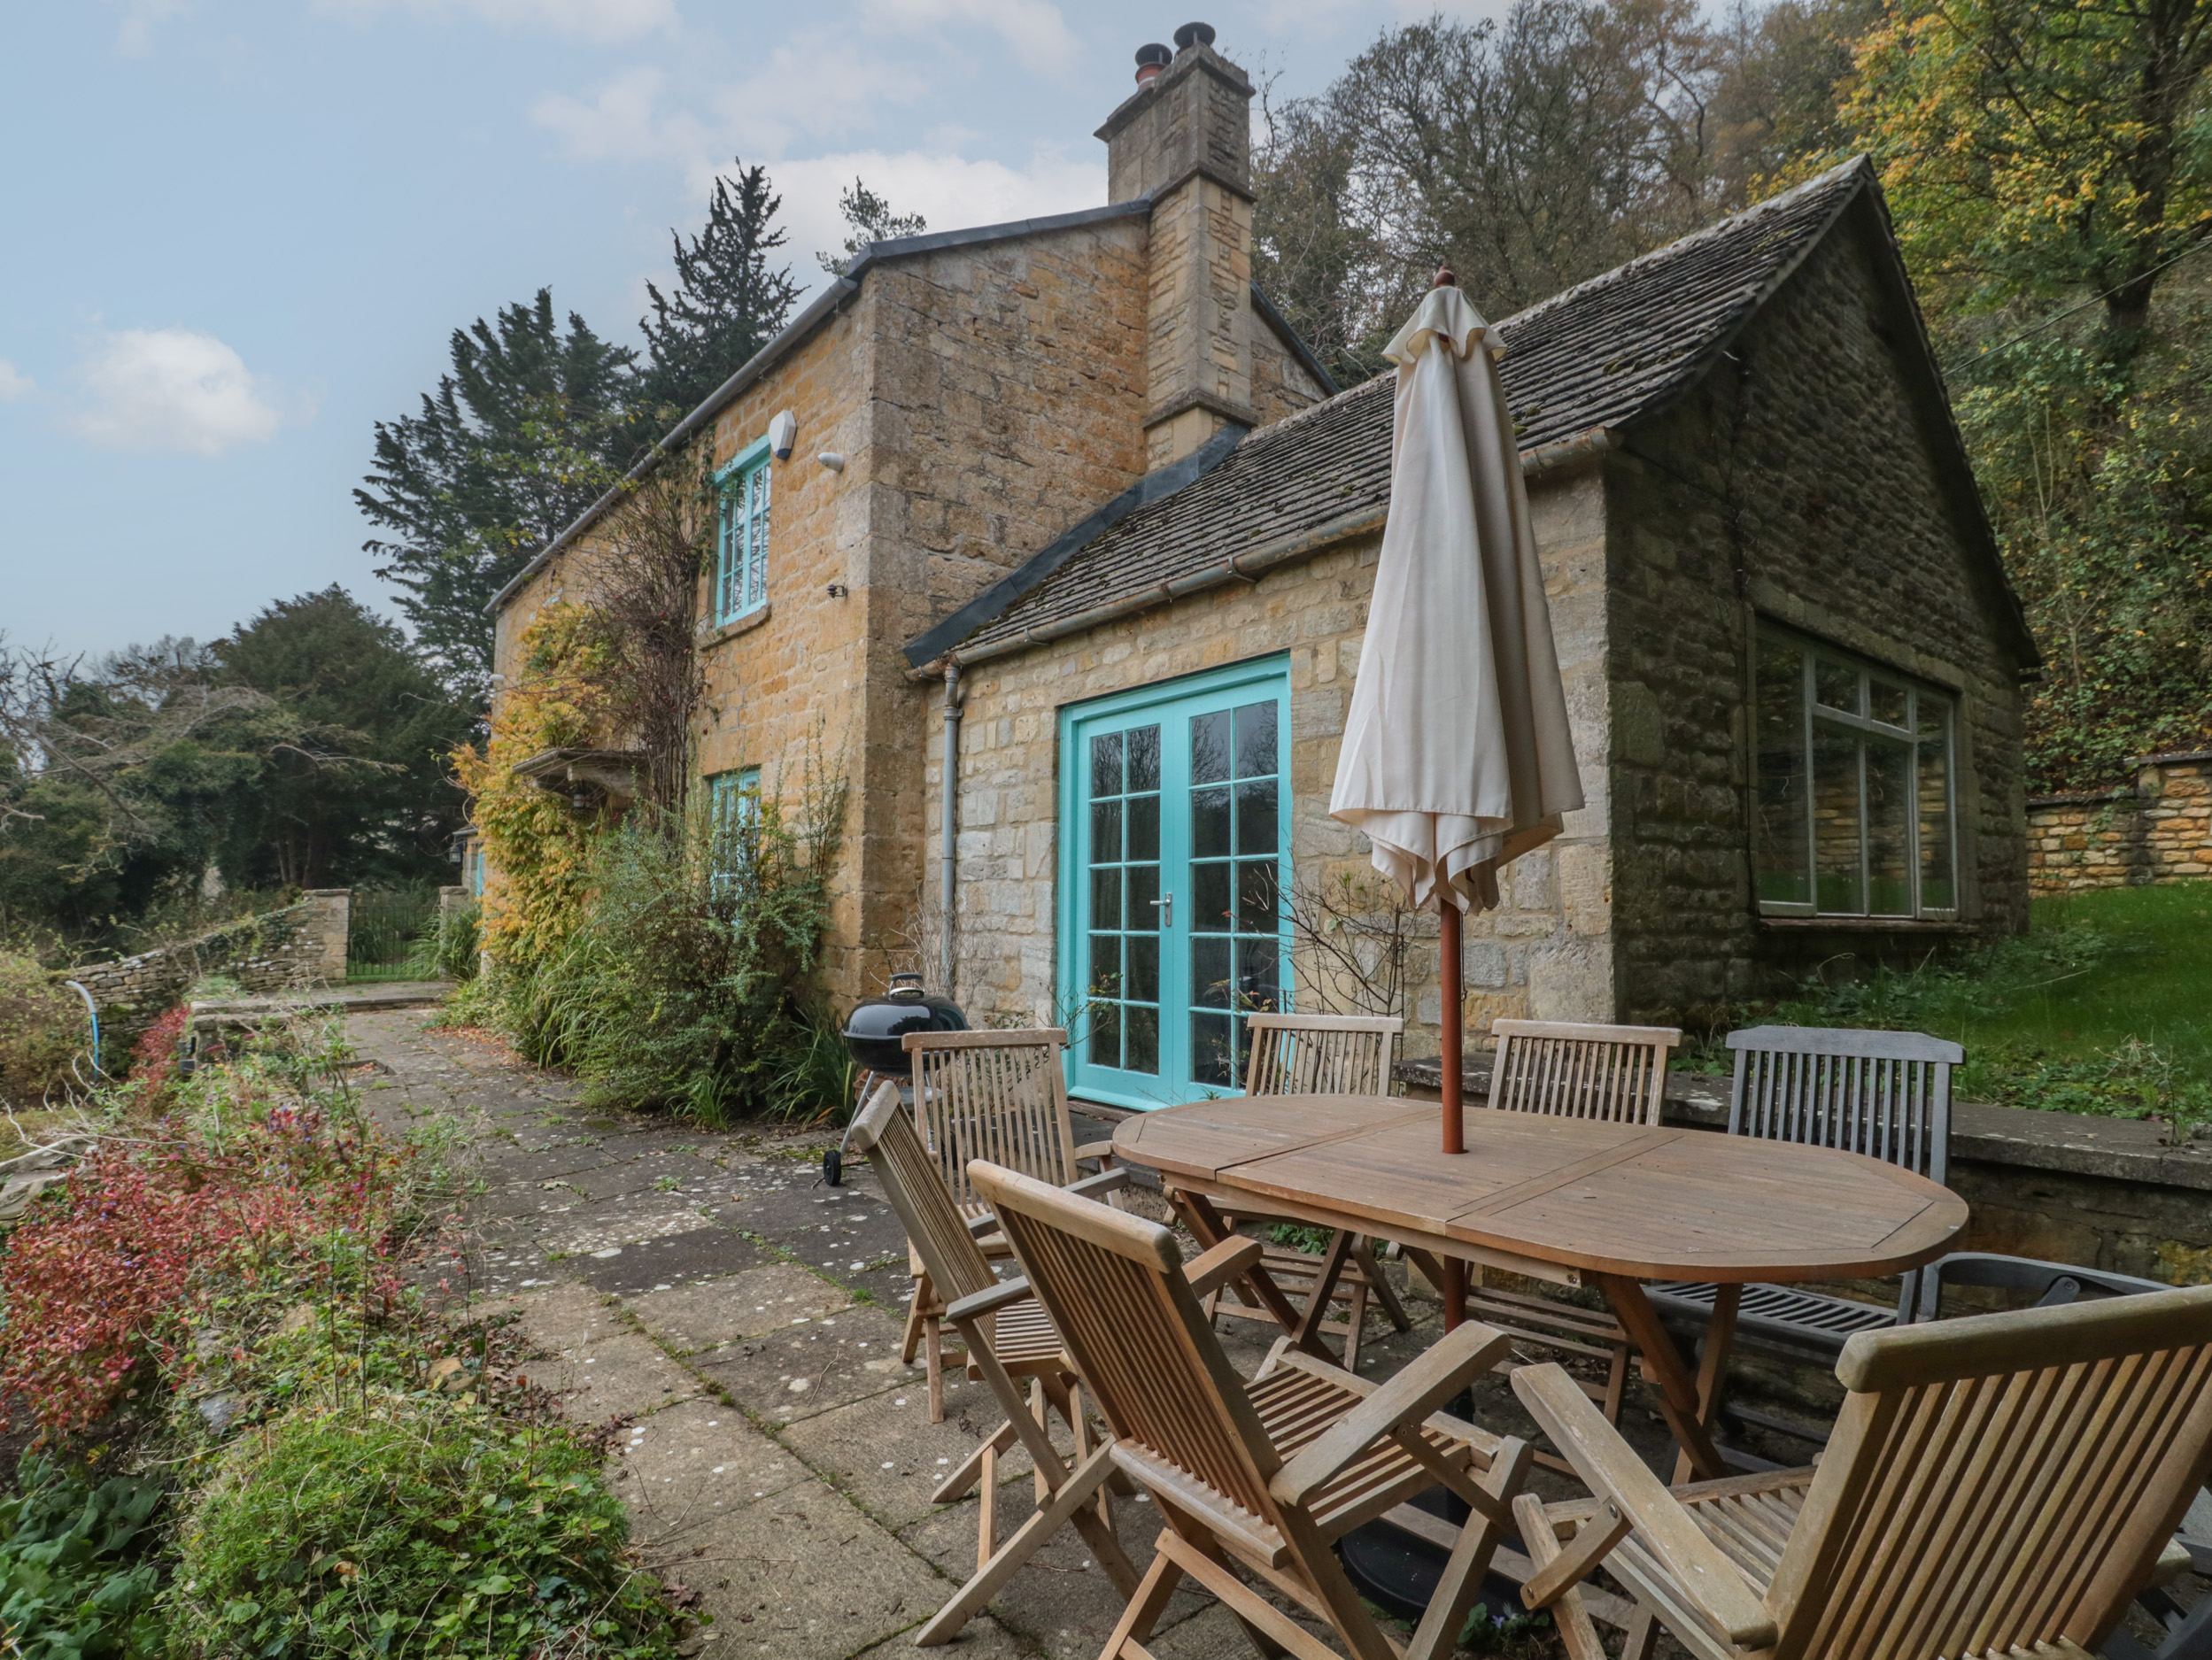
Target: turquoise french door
[[1175, 804]]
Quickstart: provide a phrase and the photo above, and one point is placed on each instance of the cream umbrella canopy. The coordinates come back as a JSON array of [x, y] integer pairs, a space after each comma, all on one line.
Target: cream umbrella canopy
[[1456, 757]]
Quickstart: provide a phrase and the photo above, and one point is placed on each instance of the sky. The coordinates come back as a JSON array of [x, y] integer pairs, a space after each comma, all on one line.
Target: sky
[[236, 234]]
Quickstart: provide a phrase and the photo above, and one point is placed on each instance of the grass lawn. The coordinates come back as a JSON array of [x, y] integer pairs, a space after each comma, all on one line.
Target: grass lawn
[[2105, 1006]]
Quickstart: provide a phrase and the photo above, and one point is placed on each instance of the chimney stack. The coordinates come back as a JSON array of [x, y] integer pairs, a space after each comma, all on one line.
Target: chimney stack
[[1184, 138]]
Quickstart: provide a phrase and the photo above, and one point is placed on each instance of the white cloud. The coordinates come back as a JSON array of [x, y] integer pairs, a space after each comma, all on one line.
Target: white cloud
[[621, 123], [1034, 28], [134, 35], [577, 19], [176, 390], [14, 383]]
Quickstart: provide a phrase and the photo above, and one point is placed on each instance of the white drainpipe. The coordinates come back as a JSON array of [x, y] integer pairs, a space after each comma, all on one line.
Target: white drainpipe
[[949, 831]]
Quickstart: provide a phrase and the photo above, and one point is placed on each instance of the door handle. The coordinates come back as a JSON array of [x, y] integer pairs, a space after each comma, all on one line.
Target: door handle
[[1166, 906]]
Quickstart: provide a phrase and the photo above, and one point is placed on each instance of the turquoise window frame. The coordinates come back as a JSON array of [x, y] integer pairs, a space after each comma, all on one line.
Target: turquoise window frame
[[1174, 701], [734, 797], [743, 517]]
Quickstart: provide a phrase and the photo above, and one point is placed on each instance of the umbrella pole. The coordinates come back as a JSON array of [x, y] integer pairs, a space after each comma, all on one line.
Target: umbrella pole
[[1455, 1285]]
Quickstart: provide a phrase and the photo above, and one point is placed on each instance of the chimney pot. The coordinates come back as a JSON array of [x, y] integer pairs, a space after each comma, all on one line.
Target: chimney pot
[[1151, 60], [1194, 34]]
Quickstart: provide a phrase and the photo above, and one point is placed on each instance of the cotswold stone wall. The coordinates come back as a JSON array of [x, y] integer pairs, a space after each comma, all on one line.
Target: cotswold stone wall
[[2159, 831], [1543, 953], [303, 944], [1801, 480]]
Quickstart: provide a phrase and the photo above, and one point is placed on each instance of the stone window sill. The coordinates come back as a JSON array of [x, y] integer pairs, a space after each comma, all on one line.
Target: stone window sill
[[708, 635], [1864, 925]]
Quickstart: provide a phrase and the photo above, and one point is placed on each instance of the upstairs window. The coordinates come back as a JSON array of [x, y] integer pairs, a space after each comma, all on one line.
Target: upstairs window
[[1856, 811], [742, 535]]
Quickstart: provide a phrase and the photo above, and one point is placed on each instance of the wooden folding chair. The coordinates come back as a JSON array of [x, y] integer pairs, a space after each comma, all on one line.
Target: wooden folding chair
[[2001, 1485], [996, 1095], [1886, 1095], [1263, 1476], [1014, 1339], [1616, 1075], [1319, 1055]]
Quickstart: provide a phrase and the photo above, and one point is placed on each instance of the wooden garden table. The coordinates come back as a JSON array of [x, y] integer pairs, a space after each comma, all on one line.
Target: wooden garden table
[[1564, 1200]]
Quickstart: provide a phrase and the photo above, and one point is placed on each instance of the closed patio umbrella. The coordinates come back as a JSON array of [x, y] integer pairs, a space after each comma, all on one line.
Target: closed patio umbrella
[[1456, 757]]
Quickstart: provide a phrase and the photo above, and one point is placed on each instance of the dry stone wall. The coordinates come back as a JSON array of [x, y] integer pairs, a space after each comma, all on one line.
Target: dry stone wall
[[303, 944], [2158, 831]]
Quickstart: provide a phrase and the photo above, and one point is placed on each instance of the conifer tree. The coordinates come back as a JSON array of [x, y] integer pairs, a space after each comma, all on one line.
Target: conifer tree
[[518, 438], [726, 303], [871, 219]]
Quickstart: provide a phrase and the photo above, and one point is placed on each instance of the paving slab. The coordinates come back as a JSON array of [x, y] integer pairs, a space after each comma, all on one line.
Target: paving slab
[[619, 1377], [885, 1450], [1060, 1599], [678, 1467], [631, 1220], [688, 1318], [803, 1371], [803, 1575], [982, 1637], [506, 1167], [678, 1259]]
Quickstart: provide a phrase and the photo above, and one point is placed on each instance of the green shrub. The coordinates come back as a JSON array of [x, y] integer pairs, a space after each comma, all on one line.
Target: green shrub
[[399, 1525], [42, 1028], [689, 986], [446, 947], [77, 1575]]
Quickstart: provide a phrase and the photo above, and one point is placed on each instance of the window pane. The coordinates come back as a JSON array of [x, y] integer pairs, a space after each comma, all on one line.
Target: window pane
[[1836, 685], [1210, 898], [1209, 823], [1211, 1059], [1783, 798], [1144, 889], [1255, 740], [1888, 828], [1836, 819], [1256, 894], [1106, 898], [1106, 833], [1209, 747], [1210, 972], [1255, 973], [1106, 764], [1144, 968], [1255, 829], [1144, 827], [1144, 759], [1142, 1053], [1105, 965], [1105, 1034], [1938, 889], [1885, 702]]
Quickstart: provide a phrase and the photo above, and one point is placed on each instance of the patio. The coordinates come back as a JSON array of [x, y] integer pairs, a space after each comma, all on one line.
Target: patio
[[777, 1457]]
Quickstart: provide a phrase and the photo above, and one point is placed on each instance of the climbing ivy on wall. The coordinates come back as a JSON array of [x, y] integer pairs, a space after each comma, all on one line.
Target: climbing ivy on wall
[[538, 847]]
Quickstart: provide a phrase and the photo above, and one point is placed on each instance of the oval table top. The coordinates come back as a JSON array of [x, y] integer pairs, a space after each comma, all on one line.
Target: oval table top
[[1637, 1201]]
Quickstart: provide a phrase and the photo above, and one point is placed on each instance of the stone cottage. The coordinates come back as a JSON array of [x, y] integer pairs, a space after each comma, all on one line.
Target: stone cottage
[[1068, 564]]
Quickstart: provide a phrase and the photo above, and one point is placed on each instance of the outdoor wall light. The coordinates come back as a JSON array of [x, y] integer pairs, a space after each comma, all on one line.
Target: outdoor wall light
[[832, 459], [781, 429]]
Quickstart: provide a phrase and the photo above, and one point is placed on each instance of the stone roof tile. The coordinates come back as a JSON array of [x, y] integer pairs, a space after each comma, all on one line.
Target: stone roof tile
[[1600, 355]]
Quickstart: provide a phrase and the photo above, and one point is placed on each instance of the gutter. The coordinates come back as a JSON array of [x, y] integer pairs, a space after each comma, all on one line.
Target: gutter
[[1249, 565]]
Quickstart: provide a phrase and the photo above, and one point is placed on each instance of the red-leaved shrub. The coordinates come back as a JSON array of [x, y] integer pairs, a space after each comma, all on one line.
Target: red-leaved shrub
[[153, 1058], [150, 1234]]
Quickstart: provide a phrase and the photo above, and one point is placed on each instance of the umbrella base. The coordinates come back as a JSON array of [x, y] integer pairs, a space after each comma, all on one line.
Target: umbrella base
[[1399, 1574]]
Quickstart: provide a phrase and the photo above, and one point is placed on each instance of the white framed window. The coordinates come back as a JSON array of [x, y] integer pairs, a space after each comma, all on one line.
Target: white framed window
[[1856, 767], [741, 534]]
